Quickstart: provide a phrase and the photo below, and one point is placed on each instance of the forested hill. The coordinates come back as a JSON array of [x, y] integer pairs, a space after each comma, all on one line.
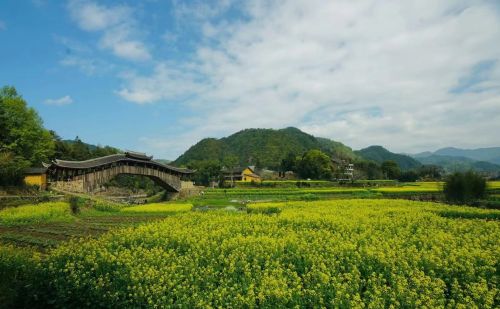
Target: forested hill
[[380, 154], [263, 147]]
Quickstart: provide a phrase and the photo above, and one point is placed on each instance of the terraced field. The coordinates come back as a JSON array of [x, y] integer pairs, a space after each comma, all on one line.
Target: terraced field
[[17, 228]]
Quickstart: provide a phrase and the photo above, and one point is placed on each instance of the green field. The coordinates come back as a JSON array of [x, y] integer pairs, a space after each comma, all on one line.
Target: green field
[[327, 253]]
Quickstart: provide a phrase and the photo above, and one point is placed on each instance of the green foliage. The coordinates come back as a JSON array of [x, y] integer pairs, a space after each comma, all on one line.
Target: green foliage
[[77, 150], [262, 147], [22, 131], [289, 163], [464, 187], [310, 197], [11, 169], [135, 183], [379, 154], [75, 203], [18, 269], [367, 170], [408, 176], [390, 169], [315, 165], [23, 139], [206, 171]]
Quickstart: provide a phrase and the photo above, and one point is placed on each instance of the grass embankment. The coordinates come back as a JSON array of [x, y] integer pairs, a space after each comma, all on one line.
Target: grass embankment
[[338, 253]]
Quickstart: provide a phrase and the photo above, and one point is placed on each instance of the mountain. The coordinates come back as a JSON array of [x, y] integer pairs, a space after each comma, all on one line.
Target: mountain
[[491, 154], [265, 147], [456, 163], [380, 154]]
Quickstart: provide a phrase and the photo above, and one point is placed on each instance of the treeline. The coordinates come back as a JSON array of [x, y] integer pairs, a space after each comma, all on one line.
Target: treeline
[[316, 164], [25, 142]]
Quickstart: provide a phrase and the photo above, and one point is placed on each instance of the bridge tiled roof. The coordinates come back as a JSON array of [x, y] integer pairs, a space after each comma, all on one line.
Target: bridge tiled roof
[[128, 156]]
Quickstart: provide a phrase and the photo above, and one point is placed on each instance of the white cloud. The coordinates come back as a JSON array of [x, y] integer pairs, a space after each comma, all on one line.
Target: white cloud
[[168, 82], [59, 102], [370, 72], [117, 23]]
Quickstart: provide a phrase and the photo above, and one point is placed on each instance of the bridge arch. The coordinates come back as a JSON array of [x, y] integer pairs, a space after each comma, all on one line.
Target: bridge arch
[[90, 176]]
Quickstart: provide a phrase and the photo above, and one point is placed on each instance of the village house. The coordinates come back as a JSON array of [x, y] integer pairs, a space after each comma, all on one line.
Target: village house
[[36, 176], [246, 174]]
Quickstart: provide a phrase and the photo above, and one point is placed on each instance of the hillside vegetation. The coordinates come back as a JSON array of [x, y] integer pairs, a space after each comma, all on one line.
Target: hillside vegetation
[[379, 154], [263, 147]]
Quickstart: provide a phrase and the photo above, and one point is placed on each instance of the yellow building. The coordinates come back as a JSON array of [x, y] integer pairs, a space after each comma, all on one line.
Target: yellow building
[[242, 174], [36, 176]]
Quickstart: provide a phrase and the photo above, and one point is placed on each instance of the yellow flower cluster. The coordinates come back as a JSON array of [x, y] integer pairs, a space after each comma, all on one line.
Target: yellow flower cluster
[[159, 207], [342, 253], [29, 214]]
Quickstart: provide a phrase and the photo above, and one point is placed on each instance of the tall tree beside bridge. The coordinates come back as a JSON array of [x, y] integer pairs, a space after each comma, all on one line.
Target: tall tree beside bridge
[[23, 139]]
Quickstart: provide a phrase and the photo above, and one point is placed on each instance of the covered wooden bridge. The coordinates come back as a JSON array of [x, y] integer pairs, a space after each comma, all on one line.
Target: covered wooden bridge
[[90, 176]]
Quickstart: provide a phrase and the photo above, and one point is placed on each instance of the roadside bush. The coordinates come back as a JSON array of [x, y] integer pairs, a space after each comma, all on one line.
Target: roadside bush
[[464, 188]]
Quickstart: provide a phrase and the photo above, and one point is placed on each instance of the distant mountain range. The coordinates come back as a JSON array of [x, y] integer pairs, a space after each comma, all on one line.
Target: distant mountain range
[[491, 154], [456, 159], [267, 147]]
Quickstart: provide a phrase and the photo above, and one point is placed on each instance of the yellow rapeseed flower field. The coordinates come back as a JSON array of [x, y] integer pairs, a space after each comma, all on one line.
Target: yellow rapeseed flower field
[[29, 214], [341, 253]]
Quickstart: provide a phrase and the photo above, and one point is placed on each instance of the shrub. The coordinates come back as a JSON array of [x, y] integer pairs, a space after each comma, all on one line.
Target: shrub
[[310, 197], [464, 188], [75, 204]]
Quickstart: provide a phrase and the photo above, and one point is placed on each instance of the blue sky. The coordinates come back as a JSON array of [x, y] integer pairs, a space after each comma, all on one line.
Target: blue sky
[[157, 76]]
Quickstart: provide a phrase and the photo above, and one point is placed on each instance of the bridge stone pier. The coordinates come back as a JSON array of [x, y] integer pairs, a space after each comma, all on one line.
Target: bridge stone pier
[[90, 176]]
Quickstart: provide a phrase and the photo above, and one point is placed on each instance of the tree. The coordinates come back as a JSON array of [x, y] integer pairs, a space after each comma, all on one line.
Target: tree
[[315, 165], [79, 150], [21, 129], [390, 169], [430, 172], [367, 170], [289, 163], [408, 176], [231, 162], [206, 171], [11, 169], [464, 188]]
